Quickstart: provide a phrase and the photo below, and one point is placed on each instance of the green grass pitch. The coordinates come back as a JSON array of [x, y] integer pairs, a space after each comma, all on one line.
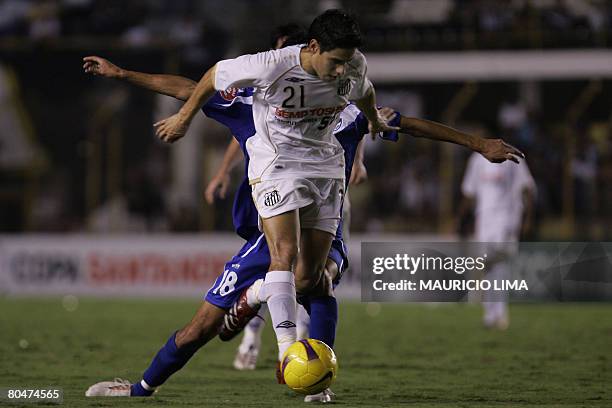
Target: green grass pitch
[[406, 355]]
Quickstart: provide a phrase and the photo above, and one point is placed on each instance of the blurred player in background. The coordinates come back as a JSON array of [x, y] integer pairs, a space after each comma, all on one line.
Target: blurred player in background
[[502, 197]]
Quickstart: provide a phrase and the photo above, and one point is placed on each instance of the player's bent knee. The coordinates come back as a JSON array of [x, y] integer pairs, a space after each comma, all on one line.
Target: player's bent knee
[[326, 286], [305, 285], [308, 274]]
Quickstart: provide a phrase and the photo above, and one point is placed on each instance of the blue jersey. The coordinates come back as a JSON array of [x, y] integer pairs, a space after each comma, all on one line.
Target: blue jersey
[[233, 108]]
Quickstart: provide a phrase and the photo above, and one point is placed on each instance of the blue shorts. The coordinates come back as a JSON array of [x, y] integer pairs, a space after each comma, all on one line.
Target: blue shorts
[[339, 254], [252, 263]]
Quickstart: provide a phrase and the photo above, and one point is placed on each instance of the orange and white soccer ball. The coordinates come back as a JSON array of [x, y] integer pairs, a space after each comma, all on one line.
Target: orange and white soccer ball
[[309, 366]]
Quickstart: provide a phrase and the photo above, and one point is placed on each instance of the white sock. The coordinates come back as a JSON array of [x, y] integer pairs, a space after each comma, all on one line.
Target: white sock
[[278, 291], [252, 332], [146, 386], [255, 293], [303, 323]]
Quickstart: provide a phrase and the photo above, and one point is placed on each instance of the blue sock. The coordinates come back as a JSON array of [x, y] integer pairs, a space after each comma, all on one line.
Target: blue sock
[[168, 360], [137, 390], [323, 319]]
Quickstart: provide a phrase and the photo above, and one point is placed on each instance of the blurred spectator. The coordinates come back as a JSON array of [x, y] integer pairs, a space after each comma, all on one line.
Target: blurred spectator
[[584, 171], [13, 17], [44, 20], [139, 208]]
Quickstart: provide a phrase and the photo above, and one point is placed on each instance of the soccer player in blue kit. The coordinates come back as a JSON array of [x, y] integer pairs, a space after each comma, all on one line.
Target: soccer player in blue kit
[[232, 108]]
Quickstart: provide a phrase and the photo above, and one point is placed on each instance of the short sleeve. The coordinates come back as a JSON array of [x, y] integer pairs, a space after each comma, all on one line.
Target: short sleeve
[[361, 89], [252, 70], [363, 85], [470, 179]]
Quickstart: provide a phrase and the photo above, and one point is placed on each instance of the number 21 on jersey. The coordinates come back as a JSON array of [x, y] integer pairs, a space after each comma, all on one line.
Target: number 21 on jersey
[[288, 102]]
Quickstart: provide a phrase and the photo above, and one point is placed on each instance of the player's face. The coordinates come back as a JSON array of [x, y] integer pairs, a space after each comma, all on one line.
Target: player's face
[[331, 64]]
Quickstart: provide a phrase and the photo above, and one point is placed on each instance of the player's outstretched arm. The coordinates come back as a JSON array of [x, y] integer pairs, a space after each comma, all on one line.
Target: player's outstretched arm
[[173, 128], [494, 150], [172, 85], [221, 179]]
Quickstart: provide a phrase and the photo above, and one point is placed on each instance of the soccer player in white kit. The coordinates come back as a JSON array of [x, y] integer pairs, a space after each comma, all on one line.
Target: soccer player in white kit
[[502, 196], [297, 166]]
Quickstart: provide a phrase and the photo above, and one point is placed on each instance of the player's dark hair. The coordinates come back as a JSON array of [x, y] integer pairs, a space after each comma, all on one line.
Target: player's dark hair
[[295, 33], [335, 29]]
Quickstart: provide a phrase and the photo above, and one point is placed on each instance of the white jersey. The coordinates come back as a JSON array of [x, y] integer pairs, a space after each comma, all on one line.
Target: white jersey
[[498, 190], [294, 112]]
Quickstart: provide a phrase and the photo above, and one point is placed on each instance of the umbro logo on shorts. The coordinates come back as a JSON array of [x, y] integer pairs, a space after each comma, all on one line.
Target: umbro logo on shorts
[[285, 325], [344, 87], [271, 198]]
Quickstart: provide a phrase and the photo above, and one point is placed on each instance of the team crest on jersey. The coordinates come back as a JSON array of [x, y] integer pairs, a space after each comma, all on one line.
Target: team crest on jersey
[[271, 198], [294, 79], [229, 94], [344, 87], [338, 125]]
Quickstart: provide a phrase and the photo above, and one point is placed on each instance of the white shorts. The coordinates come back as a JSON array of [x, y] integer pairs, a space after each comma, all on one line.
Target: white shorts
[[319, 200]]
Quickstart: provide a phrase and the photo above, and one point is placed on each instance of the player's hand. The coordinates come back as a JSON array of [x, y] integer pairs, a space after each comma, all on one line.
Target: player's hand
[[171, 129], [219, 182], [359, 173], [498, 151], [100, 66], [381, 124], [387, 113]]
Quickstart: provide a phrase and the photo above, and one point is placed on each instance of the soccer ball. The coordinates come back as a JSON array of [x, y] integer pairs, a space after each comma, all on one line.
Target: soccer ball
[[309, 366]]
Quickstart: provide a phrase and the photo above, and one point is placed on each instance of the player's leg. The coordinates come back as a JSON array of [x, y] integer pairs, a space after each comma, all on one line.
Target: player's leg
[[319, 222], [324, 316], [315, 245], [239, 274], [323, 307], [179, 348], [248, 350], [495, 304], [319, 226], [302, 323], [282, 234], [325, 312]]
